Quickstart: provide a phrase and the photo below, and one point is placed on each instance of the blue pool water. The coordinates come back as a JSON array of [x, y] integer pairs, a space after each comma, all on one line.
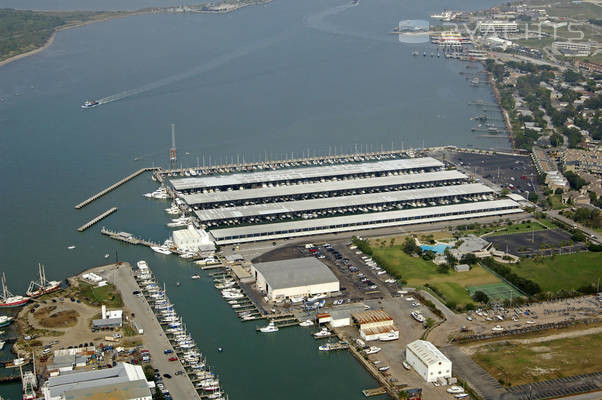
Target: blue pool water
[[438, 248]]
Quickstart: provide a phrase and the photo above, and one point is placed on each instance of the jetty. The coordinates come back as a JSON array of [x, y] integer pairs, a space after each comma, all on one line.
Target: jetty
[[113, 187], [97, 219], [126, 237]]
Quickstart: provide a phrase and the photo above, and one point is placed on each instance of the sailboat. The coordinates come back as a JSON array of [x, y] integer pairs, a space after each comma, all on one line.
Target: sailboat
[[8, 299], [42, 287]]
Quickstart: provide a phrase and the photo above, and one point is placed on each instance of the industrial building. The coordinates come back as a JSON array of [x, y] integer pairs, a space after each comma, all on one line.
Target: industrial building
[[305, 175], [428, 361], [297, 277], [305, 209], [293, 202], [318, 226], [125, 381], [109, 319], [193, 240], [375, 325]]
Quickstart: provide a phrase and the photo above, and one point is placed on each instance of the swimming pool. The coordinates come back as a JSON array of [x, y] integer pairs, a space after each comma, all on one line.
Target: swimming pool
[[438, 248]]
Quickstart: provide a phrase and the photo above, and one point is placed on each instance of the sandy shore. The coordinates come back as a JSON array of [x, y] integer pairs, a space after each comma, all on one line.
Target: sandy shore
[[228, 8]]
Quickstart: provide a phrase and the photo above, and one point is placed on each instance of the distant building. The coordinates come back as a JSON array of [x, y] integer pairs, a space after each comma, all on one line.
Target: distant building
[[572, 48], [582, 160], [122, 382], [555, 180], [375, 324], [297, 277], [498, 26], [428, 361], [193, 240], [498, 43]]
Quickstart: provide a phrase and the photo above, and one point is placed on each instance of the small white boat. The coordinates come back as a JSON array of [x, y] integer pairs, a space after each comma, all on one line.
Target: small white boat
[[71, 247], [461, 395], [455, 389], [372, 350], [107, 255], [271, 327], [323, 333], [308, 322], [195, 276], [406, 365], [497, 328], [2, 342], [383, 368]]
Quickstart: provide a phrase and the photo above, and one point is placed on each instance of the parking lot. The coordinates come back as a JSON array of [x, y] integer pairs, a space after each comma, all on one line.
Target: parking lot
[[545, 242], [514, 172]]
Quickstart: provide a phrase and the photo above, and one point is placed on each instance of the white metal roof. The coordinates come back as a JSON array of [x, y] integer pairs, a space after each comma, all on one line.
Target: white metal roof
[[350, 184], [216, 214], [325, 223], [296, 272], [304, 173], [427, 352]]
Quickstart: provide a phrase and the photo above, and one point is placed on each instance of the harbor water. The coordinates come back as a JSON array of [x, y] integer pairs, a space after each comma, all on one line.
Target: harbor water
[[270, 81]]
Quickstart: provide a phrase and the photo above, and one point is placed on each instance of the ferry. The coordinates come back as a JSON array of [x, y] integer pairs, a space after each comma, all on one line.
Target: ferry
[[8, 299], [90, 104], [42, 287]]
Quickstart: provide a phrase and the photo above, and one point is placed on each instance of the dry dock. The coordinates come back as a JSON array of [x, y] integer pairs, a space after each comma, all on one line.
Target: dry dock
[[97, 219], [112, 187]]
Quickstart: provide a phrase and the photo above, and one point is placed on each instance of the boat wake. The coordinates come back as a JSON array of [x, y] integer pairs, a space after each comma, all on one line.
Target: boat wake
[[320, 23], [198, 70]]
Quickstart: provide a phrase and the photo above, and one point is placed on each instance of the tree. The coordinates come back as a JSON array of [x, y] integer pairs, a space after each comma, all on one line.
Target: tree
[[480, 296], [410, 247], [533, 197], [469, 259], [451, 260]]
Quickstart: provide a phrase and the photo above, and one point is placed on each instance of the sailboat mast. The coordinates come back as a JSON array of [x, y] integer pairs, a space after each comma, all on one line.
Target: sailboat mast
[[4, 296]]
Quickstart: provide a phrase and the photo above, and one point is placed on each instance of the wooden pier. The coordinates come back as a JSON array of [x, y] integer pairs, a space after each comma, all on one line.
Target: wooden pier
[[126, 237], [97, 219], [374, 392], [112, 187]]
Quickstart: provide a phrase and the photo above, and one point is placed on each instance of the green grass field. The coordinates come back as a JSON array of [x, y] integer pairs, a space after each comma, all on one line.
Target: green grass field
[[524, 363], [94, 295], [496, 291], [524, 226], [417, 272], [569, 271]]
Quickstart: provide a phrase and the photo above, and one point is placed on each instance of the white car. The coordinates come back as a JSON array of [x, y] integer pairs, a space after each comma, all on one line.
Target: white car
[[410, 298]]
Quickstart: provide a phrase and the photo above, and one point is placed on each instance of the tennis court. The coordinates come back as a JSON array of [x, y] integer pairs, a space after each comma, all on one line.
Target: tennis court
[[495, 291]]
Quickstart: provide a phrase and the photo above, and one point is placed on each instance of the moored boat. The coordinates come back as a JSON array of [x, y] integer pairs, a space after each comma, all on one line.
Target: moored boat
[[8, 299], [42, 287]]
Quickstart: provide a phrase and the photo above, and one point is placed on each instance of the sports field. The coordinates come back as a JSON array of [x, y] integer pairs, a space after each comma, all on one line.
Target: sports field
[[496, 291], [569, 271]]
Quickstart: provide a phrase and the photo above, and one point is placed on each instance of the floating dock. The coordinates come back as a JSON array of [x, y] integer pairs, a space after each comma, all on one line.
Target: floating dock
[[374, 392], [113, 186], [126, 237], [97, 219]]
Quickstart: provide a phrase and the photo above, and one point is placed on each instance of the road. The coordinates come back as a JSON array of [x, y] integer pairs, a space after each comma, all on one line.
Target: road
[[590, 232], [180, 387]]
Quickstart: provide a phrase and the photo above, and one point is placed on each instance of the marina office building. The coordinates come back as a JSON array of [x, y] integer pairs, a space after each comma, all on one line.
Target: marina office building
[[277, 204], [428, 361]]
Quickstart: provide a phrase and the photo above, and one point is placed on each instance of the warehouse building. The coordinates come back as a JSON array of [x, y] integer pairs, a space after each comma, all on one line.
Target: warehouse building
[[124, 380], [375, 325], [298, 277], [305, 175], [428, 361], [373, 220], [313, 208], [334, 187]]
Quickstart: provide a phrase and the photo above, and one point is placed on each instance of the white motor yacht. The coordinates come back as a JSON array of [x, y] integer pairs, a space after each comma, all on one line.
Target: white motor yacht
[[308, 322], [271, 327], [323, 333]]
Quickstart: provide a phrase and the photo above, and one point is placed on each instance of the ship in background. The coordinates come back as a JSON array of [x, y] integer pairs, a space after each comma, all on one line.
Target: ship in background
[[42, 287]]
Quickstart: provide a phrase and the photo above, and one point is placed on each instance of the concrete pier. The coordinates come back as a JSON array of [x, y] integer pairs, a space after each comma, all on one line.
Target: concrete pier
[[97, 219], [112, 187]]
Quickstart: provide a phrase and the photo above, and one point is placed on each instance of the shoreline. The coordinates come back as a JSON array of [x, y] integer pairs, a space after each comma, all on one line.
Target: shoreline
[[123, 14]]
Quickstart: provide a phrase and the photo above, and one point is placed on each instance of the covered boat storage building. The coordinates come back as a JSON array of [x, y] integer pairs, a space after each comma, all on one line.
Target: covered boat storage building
[[277, 204]]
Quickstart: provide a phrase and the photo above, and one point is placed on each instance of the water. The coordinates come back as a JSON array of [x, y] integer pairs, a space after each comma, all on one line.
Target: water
[[438, 248], [288, 77]]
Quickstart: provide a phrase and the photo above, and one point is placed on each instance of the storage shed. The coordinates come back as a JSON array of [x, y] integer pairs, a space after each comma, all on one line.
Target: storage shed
[[428, 361]]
